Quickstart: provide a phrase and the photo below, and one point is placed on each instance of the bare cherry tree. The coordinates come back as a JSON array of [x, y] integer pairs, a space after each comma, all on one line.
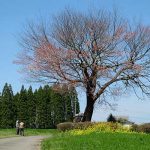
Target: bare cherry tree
[[99, 51]]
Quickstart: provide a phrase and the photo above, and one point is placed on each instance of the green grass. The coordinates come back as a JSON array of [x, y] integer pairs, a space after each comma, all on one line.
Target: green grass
[[98, 141], [28, 132], [7, 132]]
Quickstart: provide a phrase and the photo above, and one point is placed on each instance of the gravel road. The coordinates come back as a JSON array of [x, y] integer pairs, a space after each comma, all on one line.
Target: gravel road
[[21, 143]]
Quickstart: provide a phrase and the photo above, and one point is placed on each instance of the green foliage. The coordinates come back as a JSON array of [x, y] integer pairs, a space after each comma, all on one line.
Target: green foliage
[[7, 110], [48, 100], [58, 113], [16, 106], [23, 106], [40, 109], [31, 111]]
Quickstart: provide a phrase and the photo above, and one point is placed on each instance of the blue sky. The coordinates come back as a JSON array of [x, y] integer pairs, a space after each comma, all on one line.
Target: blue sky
[[16, 13]]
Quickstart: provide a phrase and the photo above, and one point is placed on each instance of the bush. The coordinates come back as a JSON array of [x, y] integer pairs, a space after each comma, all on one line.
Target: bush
[[69, 125], [109, 127], [82, 125], [65, 126], [135, 128], [88, 127], [144, 128], [101, 126]]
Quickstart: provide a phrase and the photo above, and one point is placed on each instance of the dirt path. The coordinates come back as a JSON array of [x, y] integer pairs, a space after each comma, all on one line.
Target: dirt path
[[21, 143]]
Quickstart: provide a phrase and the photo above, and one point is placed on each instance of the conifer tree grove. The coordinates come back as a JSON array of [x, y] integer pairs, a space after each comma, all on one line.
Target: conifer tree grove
[[42, 108]]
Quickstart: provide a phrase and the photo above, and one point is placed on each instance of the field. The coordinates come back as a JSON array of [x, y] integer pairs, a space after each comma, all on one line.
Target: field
[[98, 141]]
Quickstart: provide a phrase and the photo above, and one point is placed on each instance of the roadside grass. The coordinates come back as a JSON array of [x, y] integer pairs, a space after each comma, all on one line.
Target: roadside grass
[[98, 141], [28, 132], [7, 133]]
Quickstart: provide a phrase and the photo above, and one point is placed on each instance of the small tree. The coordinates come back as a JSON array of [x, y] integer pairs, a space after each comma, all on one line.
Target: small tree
[[111, 118]]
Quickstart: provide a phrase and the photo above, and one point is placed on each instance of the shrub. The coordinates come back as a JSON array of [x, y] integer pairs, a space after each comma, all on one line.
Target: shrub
[[135, 128], [69, 125], [144, 128], [91, 126], [65, 126], [82, 125], [100, 127], [110, 127]]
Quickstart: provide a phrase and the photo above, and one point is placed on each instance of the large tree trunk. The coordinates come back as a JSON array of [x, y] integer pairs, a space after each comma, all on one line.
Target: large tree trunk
[[89, 109]]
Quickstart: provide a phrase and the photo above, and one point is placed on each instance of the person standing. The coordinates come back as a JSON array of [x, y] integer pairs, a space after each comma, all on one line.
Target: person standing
[[17, 127], [21, 127]]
